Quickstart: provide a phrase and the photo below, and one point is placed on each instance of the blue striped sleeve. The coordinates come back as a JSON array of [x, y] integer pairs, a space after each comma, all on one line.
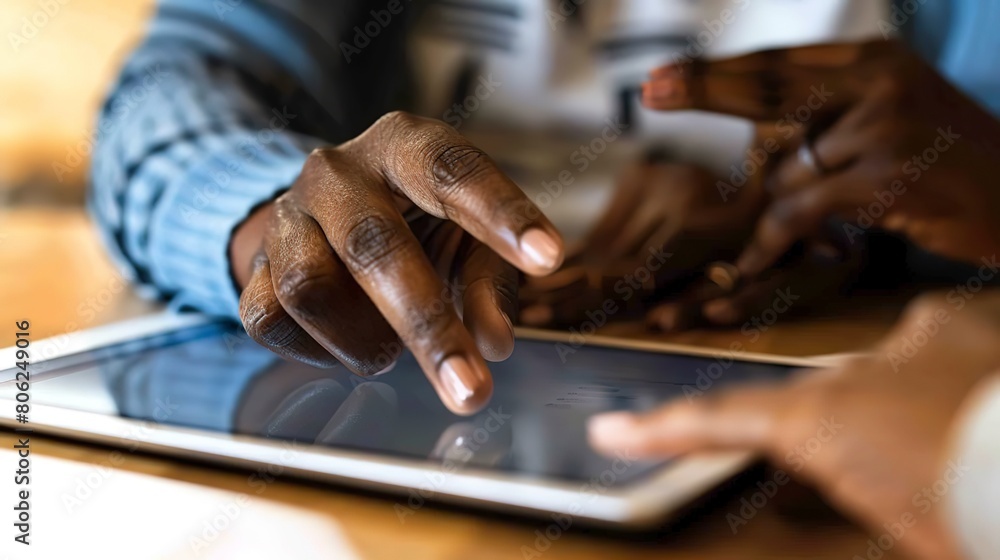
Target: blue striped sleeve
[[187, 147]]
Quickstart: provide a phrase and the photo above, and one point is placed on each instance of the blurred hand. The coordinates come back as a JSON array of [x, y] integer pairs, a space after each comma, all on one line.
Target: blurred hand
[[893, 144], [396, 232], [871, 434], [676, 212], [657, 202]]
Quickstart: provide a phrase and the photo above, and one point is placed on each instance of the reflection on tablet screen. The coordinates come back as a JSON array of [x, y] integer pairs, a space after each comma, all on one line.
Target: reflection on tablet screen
[[215, 378]]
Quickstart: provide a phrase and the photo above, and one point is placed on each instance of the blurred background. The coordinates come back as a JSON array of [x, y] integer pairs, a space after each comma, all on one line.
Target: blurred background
[[52, 79], [57, 59]]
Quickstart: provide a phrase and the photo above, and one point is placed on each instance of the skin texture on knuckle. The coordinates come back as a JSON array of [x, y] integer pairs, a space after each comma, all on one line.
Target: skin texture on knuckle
[[296, 287], [373, 363], [426, 323], [394, 120], [319, 160], [372, 241], [329, 168], [266, 323], [455, 167], [388, 130]]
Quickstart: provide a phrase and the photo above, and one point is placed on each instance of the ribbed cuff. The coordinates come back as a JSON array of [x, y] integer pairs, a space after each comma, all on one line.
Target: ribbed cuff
[[192, 228]]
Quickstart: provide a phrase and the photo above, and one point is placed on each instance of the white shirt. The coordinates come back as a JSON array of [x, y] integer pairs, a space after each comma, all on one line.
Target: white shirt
[[560, 75]]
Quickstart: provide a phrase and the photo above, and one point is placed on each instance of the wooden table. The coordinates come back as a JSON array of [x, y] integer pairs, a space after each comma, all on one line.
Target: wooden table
[[50, 262]]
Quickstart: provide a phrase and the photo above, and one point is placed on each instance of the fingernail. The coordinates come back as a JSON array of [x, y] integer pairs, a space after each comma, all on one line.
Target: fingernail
[[459, 378], [541, 248], [387, 368], [723, 275], [611, 430]]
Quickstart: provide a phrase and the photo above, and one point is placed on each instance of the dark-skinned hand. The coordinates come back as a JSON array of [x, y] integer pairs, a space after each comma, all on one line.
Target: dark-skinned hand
[[407, 235], [677, 213], [898, 147]]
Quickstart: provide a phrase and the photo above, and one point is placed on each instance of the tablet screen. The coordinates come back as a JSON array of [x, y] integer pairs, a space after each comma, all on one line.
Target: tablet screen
[[214, 377]]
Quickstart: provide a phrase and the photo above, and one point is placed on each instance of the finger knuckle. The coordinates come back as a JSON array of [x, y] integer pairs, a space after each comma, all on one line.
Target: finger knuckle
[[297, 286], [266, 322], [453, 167], [427, 323], [383, 136], [365, 364], [284, 209], [320, 165], [371, 242], [320, 153], [395, 120], [319, 158]]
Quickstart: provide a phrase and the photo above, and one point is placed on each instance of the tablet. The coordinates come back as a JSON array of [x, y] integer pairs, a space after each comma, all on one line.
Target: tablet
[[195, 388]]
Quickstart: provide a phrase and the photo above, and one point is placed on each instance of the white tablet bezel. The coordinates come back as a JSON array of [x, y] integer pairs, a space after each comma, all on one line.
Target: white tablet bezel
[[640, 503]]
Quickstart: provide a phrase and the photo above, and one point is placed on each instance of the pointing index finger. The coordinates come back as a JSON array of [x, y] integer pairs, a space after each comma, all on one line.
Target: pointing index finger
[[448, 177]]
